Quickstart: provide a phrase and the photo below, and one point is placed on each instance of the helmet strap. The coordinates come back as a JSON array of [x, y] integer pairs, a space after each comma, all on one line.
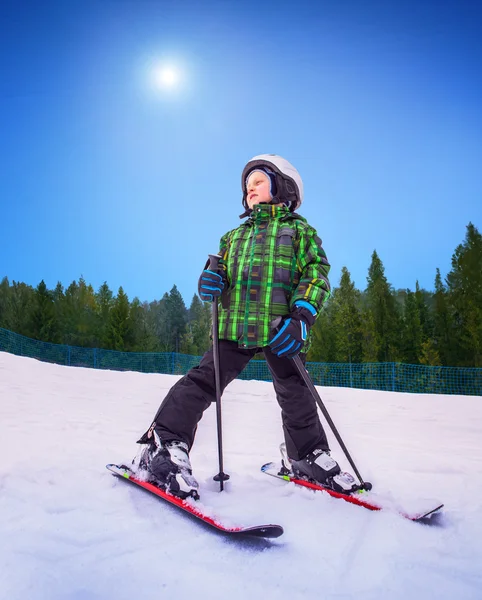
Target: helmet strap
[[246, 213]]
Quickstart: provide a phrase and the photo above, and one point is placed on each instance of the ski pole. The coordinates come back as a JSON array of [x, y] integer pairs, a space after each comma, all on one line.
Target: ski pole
[[221, 476], [366, 485]]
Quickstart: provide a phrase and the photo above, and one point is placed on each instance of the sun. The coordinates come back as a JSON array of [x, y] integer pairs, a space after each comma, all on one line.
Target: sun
[[167, 77]]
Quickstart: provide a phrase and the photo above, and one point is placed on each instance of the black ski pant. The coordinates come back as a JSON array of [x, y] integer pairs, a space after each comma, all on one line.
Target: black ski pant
[[183, 407]]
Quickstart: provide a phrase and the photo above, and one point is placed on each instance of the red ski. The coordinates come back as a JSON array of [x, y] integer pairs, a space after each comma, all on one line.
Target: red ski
[[195, 508], [369, 500]]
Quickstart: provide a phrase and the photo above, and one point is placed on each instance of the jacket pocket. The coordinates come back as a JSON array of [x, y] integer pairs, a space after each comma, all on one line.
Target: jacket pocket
[[285, 237], [284, 256]]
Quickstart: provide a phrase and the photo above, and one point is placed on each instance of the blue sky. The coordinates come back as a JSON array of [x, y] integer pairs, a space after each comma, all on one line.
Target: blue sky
[[378, 105]]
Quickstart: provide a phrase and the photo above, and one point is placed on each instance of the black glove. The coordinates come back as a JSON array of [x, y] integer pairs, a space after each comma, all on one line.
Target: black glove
[[211, 285], [293, 330]]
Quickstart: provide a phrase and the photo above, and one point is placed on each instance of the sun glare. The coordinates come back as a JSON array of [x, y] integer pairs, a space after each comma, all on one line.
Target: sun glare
[[167, 77]]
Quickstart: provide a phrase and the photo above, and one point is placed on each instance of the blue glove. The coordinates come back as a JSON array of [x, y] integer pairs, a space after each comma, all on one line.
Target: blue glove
[[293, 330], [210, 286]]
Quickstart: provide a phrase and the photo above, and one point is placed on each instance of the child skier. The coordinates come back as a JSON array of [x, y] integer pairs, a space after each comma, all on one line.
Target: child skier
[[272, 265]]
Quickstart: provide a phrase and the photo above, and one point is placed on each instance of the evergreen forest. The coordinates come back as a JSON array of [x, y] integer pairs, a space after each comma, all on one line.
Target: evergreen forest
[[378, 324]]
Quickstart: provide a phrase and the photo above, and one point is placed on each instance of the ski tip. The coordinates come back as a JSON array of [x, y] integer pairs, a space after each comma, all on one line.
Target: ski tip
[[431, 517], [262, 531]]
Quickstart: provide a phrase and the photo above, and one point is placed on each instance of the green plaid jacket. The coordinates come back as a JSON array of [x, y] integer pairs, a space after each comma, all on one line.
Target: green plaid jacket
[[270, 261]]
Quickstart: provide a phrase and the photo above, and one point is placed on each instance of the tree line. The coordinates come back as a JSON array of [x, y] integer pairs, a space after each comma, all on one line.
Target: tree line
[[80, 316], [443, 327], [378, 324]]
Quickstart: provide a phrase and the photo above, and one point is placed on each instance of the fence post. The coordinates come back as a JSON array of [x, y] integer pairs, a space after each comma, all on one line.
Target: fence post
[[68, 355], [95, 358], [393, 377], [173, 363]]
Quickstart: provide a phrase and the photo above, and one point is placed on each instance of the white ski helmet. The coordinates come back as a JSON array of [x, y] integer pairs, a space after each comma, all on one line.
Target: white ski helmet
[[288, 181]]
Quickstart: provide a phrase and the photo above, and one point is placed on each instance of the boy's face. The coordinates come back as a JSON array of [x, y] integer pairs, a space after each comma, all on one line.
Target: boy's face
[[258, 188]]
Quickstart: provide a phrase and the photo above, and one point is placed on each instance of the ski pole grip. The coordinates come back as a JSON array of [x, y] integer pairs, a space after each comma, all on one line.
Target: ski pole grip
[[275, 323], [214, 262]]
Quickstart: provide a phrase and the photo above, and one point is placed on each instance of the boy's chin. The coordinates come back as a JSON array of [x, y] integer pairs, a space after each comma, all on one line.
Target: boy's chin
[[259, 202]]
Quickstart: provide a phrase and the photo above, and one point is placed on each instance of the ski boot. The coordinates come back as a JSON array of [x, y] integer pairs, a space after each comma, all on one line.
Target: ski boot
[[320, 468], [168, 466]]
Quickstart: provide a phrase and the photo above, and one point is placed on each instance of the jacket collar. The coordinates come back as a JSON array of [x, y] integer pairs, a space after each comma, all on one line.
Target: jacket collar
[[262, 212]]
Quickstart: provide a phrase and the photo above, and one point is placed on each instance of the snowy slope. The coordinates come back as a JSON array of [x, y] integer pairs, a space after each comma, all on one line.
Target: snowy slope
[[70, 530]]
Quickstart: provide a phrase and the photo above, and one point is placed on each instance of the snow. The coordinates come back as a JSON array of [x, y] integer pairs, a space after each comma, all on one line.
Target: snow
[[69, 530]]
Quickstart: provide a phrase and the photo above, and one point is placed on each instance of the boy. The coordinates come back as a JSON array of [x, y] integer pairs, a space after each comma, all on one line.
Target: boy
[[271, 266]]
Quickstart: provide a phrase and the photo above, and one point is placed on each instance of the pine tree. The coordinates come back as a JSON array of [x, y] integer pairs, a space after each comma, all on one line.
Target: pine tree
[[43, 324], [426, 321], [143, 337], [119, 334], [324, 335], [87, 318], [200, 325], [79, 314], [4, 302], [347, 321], [58, 298], [163, 325], [19, 308], [429, 354], [412, 334], [70, 314], [177, 316], [465, 294], [371, 343], [442, 332], [104, 303], [381, 303]]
